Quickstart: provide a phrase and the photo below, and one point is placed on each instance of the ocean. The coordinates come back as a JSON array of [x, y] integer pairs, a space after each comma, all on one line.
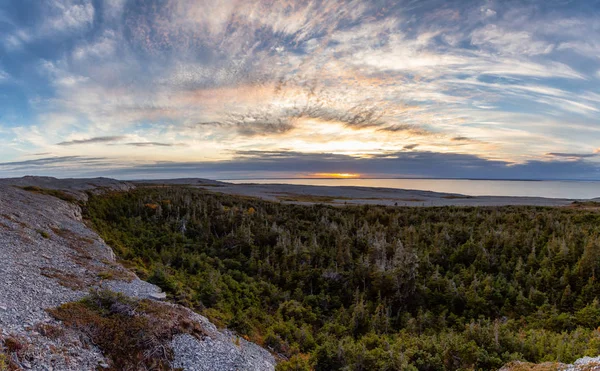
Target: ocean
[[518, 188]]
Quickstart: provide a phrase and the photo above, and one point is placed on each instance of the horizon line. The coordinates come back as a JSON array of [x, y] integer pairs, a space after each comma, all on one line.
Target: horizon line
[[412, 178]]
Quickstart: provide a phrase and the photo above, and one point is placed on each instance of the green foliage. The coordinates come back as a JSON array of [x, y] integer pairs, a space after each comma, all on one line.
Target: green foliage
[[296, 363], [43, 233], [369, 287]]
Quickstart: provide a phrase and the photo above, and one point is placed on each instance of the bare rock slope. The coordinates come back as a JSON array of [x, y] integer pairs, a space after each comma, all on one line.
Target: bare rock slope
[[49, 257]]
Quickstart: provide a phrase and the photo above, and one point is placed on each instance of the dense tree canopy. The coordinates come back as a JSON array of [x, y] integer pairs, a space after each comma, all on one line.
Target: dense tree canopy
[[370, 287]]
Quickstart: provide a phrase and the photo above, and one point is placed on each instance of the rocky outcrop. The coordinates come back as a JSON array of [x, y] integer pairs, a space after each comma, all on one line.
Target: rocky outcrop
[[582, 364], [77, 188], [50, 257]]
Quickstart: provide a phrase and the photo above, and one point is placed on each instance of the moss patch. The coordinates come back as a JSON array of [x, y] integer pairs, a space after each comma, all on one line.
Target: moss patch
[[43, 233]]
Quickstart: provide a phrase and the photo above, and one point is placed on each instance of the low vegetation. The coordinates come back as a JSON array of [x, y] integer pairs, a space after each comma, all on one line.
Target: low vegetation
[[132, 334], [12, 350], [546, 366], [51, 192], [65, 279], [50, 331], [295, 197], [369, 287], [43, 234]]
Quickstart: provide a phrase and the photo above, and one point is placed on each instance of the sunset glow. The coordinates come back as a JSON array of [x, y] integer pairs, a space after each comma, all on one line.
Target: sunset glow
[[335, 175]]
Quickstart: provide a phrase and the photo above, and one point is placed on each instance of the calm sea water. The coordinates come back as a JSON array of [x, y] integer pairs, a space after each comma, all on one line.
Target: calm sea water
[[546, 188]]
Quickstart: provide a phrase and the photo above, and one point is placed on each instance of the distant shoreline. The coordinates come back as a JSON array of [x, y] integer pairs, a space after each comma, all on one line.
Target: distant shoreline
[[562, 189], [331, 194], [363, 178]]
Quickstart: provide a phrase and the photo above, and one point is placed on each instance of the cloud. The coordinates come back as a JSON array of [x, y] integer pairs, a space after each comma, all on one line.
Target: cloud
[[16, 39], [359, 78], [573, 155], [252, 124], [68, 15], [585, 48], [511, 42], [113, 8], [271, 120], [106, 139], [247, 164], [232, 24], [60, 160], [103, 47], [404, 128], [58, 17], [151, 144], [112, 139]]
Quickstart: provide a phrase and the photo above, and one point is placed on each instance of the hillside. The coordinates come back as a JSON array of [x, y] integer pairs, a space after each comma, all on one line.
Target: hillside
[[320, 286], [51, 261], [370, 287]]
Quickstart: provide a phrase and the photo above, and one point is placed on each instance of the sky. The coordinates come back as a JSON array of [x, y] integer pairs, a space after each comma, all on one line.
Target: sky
[[236, 89]]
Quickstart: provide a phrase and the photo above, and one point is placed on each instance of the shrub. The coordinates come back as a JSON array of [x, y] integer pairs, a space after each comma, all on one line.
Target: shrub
[[298, 362], [11, 348], [132, 334]]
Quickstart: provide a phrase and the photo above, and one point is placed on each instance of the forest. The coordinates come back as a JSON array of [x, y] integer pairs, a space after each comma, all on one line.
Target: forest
[[369, 287]]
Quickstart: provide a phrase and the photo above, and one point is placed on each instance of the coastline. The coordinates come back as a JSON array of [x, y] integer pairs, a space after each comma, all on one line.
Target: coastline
[[355, 195]]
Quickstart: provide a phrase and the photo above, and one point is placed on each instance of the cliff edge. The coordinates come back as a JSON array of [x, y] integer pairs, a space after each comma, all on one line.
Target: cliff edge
[[51, 262]]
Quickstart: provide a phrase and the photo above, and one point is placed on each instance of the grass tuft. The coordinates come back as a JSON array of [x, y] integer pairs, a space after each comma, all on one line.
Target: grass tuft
[[50, 331], [65, 279]]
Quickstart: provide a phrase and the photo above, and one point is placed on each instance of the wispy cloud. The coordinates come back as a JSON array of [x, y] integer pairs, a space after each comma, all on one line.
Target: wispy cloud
[[247, 164], [573, 155], [151, 144], [116, 140], [15, 40], [107, 139], [62, 160], [68, 15]]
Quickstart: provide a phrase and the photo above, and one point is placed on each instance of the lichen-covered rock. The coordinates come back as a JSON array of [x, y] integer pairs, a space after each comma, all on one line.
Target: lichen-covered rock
[[585, 363], [582, 364]]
